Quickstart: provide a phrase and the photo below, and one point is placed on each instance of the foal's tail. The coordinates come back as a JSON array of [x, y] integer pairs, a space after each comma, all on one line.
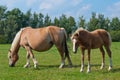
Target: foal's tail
[[110, 40]]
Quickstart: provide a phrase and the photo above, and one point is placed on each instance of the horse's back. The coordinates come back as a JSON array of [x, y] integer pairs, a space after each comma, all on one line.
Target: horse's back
[[104, 35], [57, 34], [38, 37]]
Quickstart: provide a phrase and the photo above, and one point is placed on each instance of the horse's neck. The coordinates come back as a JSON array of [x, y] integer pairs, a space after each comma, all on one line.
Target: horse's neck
[[16, 42], [15, 48]]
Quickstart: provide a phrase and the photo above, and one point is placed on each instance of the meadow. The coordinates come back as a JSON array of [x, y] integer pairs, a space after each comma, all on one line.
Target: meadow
[[49, 62]]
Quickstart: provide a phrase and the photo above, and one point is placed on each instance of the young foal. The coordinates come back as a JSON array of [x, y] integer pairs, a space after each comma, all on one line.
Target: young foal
[[40, 39], [91, 40]]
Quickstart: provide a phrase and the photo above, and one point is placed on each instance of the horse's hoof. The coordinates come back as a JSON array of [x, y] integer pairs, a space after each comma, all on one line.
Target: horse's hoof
[[88, 71], [81, 70], [35, 66], [26, 66], [110, 68], [61, 66], [101, 67]]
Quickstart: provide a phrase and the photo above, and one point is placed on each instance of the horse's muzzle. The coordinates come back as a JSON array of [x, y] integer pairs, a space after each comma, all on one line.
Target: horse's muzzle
[[74, 52], [11, 65]]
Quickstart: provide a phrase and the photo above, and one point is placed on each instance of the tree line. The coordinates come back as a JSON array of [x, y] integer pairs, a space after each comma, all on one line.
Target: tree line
[[11, 21]]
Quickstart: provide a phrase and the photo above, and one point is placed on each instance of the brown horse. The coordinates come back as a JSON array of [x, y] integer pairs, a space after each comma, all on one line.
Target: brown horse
[[39, 39], [91, 40]]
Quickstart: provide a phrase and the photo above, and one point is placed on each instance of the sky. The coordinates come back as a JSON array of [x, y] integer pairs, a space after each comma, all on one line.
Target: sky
[[75, 8]]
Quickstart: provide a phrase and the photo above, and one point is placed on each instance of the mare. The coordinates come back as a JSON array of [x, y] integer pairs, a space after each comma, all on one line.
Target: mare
[[39, 39], [91, 40]]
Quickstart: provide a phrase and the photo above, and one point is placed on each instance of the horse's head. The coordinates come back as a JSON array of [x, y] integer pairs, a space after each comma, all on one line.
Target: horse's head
[[13, 57], [78, 37], [75, 42]]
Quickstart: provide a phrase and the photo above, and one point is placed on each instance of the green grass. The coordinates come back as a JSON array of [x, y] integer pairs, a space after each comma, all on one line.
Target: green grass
[[49, 62]]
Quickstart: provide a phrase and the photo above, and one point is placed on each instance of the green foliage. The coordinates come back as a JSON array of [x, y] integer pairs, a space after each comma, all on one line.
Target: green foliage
[[115, 35], [49, 62], [11, 21]]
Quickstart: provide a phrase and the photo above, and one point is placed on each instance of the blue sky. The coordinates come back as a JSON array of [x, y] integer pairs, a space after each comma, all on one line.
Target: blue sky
[[75, 8]]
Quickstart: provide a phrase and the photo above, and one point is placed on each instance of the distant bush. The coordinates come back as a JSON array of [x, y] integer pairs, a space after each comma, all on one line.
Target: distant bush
[[115, 36], [2, 39]]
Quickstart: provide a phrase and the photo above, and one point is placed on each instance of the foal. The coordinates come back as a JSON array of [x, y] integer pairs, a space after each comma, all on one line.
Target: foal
[[91, 40]]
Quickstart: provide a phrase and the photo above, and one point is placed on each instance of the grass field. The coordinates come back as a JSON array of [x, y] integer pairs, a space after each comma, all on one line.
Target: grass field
[[49, 62]]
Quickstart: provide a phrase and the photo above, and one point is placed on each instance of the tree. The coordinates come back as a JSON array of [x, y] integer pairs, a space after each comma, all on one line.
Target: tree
[[35, 20], [2, 18], [92, 24], [40, 19], [13, 23], [28, 18], [101, 22], [107, 24], [81, 22], [56, 21], [47, 21], [72, 25], [115, 24]]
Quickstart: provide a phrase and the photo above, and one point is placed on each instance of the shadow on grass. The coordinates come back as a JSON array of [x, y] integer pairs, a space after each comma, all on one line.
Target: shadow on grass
[[115, 70], [65, 66]]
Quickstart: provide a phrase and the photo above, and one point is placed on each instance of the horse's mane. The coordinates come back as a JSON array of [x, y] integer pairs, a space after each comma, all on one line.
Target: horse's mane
[[16, 40], [78, 30]]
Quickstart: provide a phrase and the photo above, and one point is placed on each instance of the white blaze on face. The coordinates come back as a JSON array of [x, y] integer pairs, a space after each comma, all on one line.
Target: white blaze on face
[[74, 42]]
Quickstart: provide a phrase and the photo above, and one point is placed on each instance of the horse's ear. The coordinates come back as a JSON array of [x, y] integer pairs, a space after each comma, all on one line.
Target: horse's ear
[[77, 34]]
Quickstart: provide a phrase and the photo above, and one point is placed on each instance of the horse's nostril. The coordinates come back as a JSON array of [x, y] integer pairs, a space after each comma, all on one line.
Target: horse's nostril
[[74, 51], [11, 65]]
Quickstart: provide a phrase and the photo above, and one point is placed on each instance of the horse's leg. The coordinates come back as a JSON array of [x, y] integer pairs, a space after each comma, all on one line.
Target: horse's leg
[[82, 60], [33, 58], [61, 52], [88, 68], [103, 57], [28, 61], [110, 57], [69, 60], [30, 53], [67, 55]]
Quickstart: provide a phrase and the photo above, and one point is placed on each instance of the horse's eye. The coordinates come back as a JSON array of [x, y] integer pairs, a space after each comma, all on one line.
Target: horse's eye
[[9, 57]]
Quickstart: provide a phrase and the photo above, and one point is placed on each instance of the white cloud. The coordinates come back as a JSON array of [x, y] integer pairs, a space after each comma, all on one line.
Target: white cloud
[[84, 10], [8, 3], [75, 2], [30, 2], [45, 6], [50, 4], [114, 10]]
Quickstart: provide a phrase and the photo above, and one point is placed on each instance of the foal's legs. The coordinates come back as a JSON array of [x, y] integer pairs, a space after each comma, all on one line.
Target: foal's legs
[[110, 57], [103, 57], [88, 68], [82, 59], [30, 53]]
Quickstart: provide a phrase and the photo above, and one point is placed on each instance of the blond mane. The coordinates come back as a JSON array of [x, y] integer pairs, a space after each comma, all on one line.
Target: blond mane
[[16, 40]]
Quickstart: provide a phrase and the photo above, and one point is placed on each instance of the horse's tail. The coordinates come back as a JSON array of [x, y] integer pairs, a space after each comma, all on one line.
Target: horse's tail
[[16, 40], [65, 43], [110, 40]]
